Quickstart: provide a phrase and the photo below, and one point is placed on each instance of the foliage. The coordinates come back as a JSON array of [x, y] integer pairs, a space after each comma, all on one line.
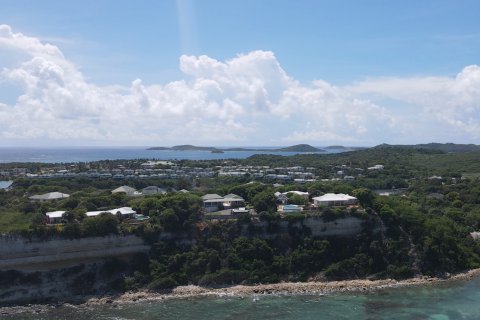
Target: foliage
[[101, 225], [425, 231], [264, 201]]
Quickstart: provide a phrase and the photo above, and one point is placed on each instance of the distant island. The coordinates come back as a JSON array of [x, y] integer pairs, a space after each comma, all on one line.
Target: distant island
[[336, 148], [188, 147]]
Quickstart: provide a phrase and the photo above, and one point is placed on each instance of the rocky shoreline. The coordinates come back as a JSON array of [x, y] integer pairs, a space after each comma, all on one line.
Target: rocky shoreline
[[283, 288]]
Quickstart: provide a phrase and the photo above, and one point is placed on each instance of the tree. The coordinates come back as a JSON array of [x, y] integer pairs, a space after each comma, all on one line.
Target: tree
[[297, 199], [101, 225], [387, 211], [71, 203], [264, 201], [185, 206], [169, 219], [364, 196]]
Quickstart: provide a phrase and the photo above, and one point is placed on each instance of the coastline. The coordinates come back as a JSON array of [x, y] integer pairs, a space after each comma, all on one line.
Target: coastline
[[282, 288], [317, 288]]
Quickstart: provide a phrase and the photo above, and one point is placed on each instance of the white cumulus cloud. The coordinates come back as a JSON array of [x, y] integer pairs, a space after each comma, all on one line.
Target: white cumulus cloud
[[247, 100]]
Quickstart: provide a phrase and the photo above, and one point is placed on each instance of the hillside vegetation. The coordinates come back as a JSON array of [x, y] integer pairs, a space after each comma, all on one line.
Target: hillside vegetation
[[425, 231]]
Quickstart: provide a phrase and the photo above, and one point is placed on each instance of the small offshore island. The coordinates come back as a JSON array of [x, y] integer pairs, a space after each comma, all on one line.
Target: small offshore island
[[129, 230], [296, 148]]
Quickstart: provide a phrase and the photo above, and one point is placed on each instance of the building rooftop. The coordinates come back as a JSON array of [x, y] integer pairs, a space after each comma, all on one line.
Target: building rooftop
[[122, 211], [211, 196], [55, 214], [335, 197], [126, 189], [50, 196]]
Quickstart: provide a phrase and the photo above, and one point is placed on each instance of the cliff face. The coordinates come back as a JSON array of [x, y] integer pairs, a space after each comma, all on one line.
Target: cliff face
[[66, 284], [33, 255], [59, 269]]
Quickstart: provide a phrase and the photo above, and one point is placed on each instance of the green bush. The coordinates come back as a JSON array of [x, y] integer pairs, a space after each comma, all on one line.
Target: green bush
[[163, 284], [101, 225], [222, 277]]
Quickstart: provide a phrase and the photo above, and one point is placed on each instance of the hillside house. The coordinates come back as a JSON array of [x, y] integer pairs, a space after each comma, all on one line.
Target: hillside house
[[334, 199], [214, 202], [123, 212], [54, 217]]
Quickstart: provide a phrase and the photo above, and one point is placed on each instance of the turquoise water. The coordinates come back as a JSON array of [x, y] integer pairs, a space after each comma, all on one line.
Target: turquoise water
[[458, 300], [5, 184]]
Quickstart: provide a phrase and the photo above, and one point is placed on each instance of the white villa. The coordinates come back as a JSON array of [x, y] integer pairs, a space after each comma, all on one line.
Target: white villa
[[334, 199], [214, 202], [124, 212], [54, 216]]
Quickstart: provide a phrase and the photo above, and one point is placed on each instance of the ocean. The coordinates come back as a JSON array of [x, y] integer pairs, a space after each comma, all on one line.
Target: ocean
[[86, 154], [452, 300]]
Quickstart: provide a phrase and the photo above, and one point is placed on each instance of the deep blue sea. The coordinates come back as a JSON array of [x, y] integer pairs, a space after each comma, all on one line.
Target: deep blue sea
[[446, 301], [85, 154]]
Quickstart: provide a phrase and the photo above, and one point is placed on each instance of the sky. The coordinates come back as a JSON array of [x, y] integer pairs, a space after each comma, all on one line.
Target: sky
[[239, 73]]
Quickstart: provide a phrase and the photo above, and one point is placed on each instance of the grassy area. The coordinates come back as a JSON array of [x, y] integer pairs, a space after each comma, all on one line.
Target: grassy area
[[15, 221]]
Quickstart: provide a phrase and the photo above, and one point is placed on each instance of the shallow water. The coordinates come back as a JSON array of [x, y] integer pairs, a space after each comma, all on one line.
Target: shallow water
[[455, 300], [5, 184]]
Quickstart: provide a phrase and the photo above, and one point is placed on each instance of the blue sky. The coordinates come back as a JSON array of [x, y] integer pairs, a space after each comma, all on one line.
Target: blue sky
[[272, 72]]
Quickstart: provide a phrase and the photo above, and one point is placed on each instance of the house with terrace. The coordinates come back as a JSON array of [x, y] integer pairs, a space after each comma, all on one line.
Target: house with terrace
[[334, 199], [213, 202]]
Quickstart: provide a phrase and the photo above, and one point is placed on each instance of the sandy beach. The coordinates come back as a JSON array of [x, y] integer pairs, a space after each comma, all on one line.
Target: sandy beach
[[283, 288]]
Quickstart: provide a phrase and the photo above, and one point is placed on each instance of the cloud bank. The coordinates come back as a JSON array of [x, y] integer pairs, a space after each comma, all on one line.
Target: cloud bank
[[247, 100]]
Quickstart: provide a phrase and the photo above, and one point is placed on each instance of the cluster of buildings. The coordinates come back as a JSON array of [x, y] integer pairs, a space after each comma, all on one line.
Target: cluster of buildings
[[229, 206], [55, 217], [296, 174], [129, 191], [175, 170], [326, 200], [123, 173], [214, 206]]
